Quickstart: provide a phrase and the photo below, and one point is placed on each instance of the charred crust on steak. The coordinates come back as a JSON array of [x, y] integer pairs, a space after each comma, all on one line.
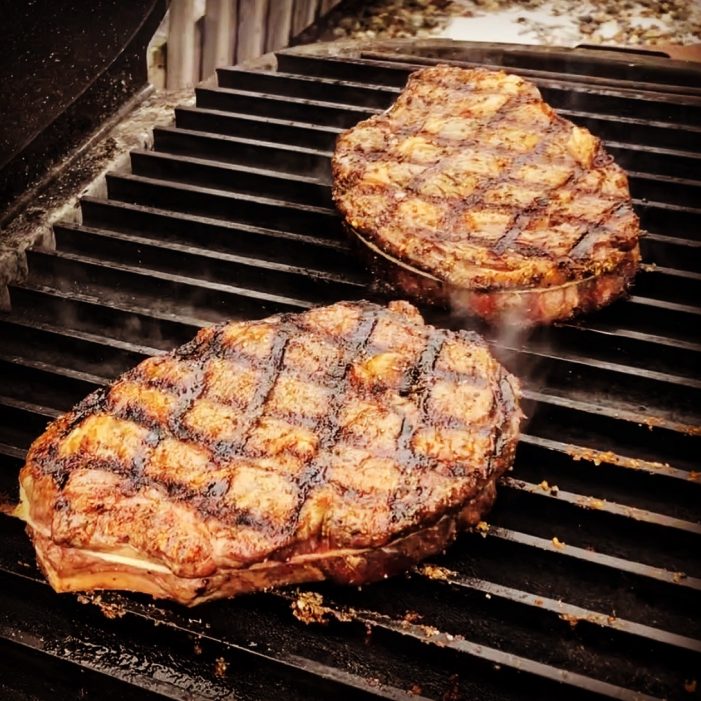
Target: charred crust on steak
[[346, 442], [477, 194]]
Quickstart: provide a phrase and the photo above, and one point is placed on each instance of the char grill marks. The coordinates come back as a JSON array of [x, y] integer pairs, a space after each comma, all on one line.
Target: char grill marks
[[472, 177], [346, 425]]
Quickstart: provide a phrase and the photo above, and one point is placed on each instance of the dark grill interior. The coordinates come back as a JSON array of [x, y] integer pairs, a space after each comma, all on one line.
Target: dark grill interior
[[230, 216]]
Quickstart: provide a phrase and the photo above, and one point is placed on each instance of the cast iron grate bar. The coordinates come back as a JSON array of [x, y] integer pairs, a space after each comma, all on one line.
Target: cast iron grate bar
[[559, 63], [654, 105]]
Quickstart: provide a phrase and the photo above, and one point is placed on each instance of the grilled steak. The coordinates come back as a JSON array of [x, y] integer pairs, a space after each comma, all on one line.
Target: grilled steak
[[470, 189], [346, 442]]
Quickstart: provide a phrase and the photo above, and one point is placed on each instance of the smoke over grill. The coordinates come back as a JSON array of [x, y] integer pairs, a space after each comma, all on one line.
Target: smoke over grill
[[586, 579]]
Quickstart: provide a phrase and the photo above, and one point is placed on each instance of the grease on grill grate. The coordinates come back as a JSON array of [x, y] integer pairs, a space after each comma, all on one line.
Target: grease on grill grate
[[586, 579]]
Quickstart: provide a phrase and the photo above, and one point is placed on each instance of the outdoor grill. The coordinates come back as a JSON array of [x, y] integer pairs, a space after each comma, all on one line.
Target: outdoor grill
[[586, 582]]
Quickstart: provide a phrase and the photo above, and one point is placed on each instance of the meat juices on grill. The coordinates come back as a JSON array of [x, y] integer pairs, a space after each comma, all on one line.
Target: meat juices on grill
[[346, 442], [472, 190]]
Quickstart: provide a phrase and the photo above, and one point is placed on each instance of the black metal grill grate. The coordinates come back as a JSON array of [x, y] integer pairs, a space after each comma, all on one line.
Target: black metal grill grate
[[230, 216]]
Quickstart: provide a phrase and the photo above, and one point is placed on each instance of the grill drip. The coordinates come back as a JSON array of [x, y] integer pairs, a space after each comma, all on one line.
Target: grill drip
[[587, 580]]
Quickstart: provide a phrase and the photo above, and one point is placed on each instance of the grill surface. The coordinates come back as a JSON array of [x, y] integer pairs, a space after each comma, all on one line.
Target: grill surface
[[587, 586]]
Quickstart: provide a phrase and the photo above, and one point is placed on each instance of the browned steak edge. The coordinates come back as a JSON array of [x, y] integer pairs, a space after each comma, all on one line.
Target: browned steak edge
[[537, 305]]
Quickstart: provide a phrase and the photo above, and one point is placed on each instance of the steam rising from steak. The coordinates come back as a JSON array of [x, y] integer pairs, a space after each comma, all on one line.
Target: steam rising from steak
[[347, 442], [471, 189]]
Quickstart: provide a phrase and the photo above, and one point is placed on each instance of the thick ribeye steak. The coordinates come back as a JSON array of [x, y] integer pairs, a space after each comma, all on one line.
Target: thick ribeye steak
[[472, 190], [346, 442]]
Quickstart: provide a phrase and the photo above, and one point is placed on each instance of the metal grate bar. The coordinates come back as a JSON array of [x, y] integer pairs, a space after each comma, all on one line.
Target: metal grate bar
[[232, 177], [283, 107], [588, 502], [656, 106]]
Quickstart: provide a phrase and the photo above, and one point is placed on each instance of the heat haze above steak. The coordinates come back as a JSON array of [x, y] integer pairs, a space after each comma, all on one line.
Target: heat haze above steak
[[346, 442], [471, 189]]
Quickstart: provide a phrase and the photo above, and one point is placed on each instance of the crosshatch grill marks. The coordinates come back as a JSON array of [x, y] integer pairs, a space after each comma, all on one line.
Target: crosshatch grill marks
[[500, 209], [447, 148], [483, 127], [275, 476]]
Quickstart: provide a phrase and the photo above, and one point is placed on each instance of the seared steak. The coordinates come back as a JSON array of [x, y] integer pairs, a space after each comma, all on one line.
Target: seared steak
[[346, 442], [471, 189]]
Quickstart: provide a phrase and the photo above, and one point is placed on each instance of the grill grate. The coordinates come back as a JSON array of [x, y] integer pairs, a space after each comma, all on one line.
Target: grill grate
[[230, 216]]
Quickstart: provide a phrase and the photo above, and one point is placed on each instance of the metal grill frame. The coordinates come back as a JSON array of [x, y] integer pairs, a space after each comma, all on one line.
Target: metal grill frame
[[230, 216]]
